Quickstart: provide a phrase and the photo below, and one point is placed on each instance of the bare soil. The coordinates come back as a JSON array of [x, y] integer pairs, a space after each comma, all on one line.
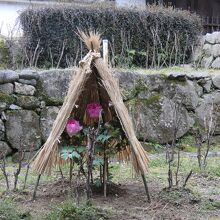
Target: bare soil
[[127, 201]]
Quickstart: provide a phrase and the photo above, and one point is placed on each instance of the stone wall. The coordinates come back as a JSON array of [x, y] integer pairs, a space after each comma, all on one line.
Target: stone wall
[[30, 101], [210, 53]]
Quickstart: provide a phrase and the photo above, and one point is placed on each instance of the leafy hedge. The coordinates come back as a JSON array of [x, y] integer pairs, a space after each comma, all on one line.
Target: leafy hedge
[[155, 36]]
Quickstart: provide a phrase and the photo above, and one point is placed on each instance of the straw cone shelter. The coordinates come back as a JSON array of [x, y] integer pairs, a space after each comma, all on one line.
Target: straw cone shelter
[[93, 81]]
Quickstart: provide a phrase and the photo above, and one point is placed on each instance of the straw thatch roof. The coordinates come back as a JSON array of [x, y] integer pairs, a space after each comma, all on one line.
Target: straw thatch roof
[[93, 81]]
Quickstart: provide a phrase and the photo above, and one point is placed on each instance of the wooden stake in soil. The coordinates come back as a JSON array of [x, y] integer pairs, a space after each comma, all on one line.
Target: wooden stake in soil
[[36, 186], [90, 150], [105, 175], [28, 166], [146, 187], [71, 172]]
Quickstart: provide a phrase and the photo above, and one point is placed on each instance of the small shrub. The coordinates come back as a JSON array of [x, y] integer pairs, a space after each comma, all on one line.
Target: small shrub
[[9, 212], [68, 210]]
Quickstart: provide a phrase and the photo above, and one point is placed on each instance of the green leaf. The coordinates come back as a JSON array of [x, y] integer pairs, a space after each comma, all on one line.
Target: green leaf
[[103, 137], [99, 148], [81, 149], [67, 149], [74, 154], [85, 131], [98, 161], [65, 156]]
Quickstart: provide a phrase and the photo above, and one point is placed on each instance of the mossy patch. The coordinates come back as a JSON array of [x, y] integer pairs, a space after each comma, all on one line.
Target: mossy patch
[[139, 86], [28, 102], [52, 101], [9, 99], [144, 102]]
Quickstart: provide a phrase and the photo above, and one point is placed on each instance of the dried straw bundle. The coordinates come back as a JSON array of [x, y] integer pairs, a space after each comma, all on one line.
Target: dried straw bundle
[[48, 155], [92, 40]]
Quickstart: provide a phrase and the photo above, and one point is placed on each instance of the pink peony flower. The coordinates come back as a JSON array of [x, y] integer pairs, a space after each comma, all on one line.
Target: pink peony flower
[[94, 109], [73, 127]]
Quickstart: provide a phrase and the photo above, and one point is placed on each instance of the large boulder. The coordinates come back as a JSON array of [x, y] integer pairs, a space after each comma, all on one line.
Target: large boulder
[[156, 120], [55, 83], [27, 102], [213, 38], [48, 116], [23, 129], [207, 49], [4, 148], [7, 88], [173, 86], [206, 84], [7, 76], [29, 74], [32, 82], [140, 85], [216, 63], [216, 50], [216, 80], [208, 106], [206, 62], [196, 75], [185, 93], [24, 89], [152, 100]]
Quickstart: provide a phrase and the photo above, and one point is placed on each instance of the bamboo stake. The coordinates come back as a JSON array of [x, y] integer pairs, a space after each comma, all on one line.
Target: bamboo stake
[[105, 51], [105, 175], [36, 186], [28, 166], [146, 187]]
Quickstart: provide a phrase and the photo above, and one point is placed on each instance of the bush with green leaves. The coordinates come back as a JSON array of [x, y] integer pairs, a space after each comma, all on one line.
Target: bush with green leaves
[[155, 36], [68, 210], [9, 212]]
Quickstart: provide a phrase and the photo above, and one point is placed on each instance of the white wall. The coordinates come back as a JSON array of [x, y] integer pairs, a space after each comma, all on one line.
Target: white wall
[[131, 3]]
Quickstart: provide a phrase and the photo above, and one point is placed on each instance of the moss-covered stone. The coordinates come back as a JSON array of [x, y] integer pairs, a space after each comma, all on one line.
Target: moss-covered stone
[[52, 101], [139, 87], [27, 102], [146, 102], [9, 99]]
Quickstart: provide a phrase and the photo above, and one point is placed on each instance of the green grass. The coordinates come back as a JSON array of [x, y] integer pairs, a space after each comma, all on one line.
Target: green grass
[[68, 210], [165, 71], [8, 211], [32, 178], [121, 172]]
